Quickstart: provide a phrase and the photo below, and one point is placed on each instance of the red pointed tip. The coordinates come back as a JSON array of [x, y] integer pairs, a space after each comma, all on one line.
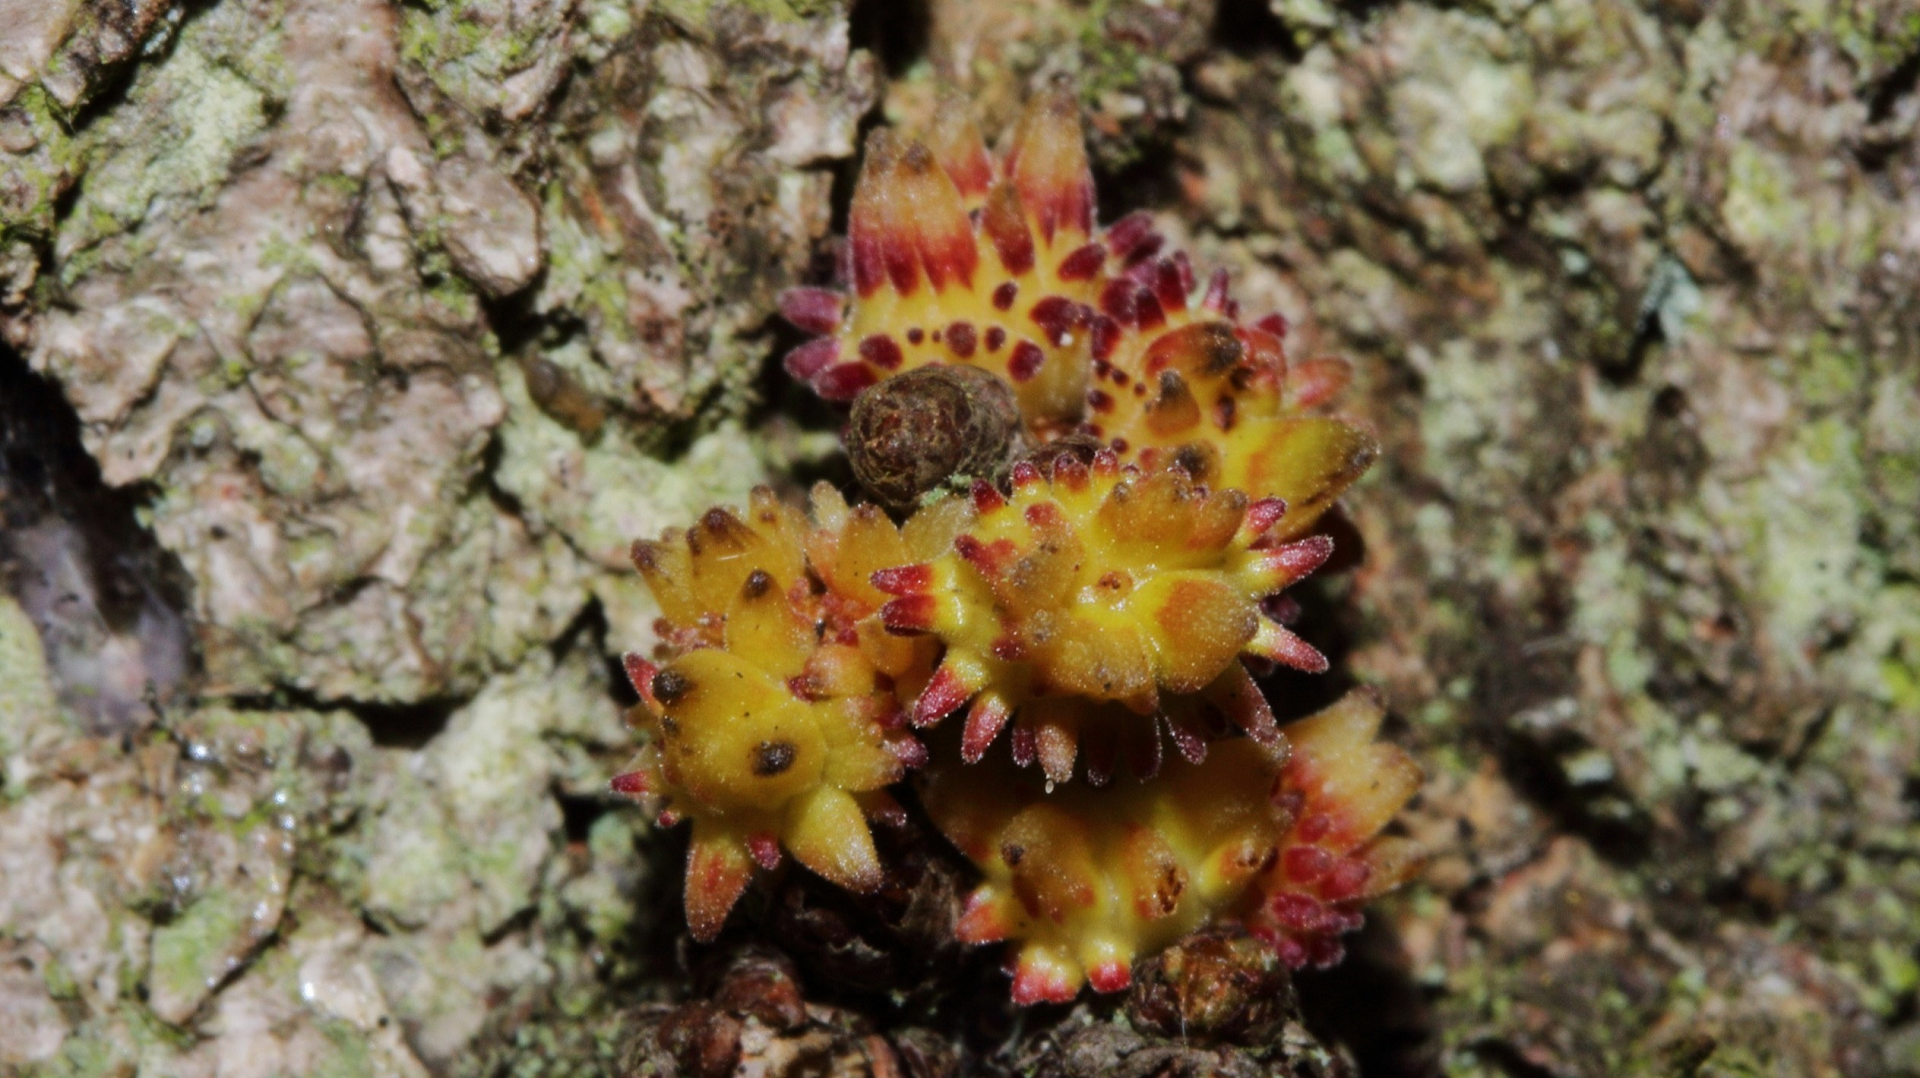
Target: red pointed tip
[[1025, 744], [985, 497], [764, 849], [812, 310], [972, 551], [882, 809], [942, 696], [715, 877], [908, 615], [1102, 757], [1132, 237], [909, 751], [1032, 984], [1242, 702], [640, 675], [1191, 746], [1275, 324], [1318, 381], [1004, 221], [1286, 564], [868, 221], [1025, 474], [1110, 976], [961, 151], [631, 784], [1070, 472], [1048, 164], [990, 559], [931, 216], [1262, 515], [904, 580], [985, 720], [1082, 263], [880, 225], [807, 361], [980, 921], [1169, 287], [843, 382], [1147, 311], [1216, 299], [1281, 645]]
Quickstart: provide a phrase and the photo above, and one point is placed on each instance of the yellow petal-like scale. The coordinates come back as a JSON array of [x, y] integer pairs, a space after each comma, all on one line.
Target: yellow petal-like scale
[[828, 833]]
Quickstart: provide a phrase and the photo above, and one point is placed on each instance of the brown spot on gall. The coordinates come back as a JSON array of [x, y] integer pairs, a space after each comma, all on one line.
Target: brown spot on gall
[[670, 685], [770, 758]]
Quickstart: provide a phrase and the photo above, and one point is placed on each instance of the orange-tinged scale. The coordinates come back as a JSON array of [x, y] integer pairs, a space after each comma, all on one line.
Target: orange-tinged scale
[[933, 285], [961, 151], [1048, 165], [957, 257], [1343, 787], [717, 872]]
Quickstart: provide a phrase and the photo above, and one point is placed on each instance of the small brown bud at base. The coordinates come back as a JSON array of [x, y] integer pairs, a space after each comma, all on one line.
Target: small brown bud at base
[[1215, 984], [1080, 448], [912, 433]]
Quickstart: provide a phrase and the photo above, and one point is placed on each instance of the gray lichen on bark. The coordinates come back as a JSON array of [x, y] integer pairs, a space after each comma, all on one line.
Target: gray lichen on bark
[[271, 251]]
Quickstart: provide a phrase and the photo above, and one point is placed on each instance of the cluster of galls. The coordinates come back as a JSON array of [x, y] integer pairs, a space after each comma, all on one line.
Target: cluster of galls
[[1142, 475]]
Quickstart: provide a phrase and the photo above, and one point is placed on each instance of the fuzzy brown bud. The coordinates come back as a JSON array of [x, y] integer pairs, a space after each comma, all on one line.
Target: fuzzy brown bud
[[1218, 983], [1079, 448], [912, 433]]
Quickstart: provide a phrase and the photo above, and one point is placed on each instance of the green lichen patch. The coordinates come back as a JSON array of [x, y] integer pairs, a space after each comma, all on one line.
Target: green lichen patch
[[701, 12], [29, 706], [205, 945], [602, 495], [175, 151]]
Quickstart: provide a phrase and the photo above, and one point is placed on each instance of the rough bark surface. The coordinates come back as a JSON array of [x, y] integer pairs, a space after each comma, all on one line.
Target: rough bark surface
[[352, 342]]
